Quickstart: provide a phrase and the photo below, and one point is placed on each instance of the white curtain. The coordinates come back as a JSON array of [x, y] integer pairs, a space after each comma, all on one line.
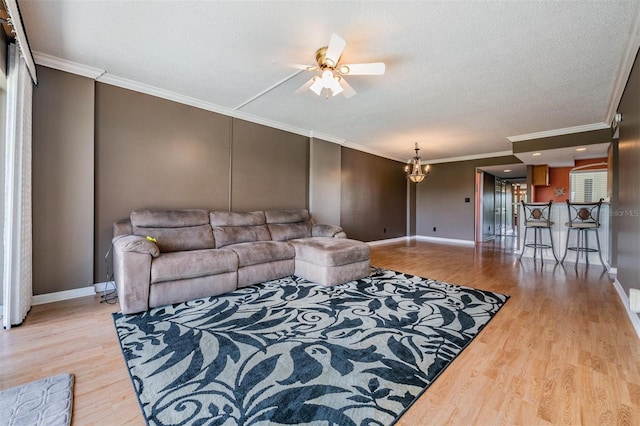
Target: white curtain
[[17, 271]]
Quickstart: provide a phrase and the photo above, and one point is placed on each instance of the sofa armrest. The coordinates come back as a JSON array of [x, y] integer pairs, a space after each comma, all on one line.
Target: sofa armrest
[[136, 244], [330, 231], [132, 256]]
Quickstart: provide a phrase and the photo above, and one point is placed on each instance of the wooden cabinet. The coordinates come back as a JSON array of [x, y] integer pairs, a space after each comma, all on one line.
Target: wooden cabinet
[[541, 175]]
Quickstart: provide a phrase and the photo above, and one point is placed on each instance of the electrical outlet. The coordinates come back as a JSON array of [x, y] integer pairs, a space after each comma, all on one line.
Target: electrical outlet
[[434, 229], [384, 230], [634, 300]]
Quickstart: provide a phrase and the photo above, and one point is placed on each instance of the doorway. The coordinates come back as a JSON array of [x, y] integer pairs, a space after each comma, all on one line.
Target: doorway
[[497, 204]]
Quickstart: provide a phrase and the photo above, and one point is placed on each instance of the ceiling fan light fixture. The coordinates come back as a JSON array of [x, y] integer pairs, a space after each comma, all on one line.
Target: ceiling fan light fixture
[[317, 86], [329, 81]]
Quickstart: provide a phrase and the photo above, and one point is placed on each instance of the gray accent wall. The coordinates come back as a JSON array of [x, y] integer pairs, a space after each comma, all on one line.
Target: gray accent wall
[[270, 168], [152, 153], [63, 181], [626, 217], [441, 199], [325, 172], [373, 198]]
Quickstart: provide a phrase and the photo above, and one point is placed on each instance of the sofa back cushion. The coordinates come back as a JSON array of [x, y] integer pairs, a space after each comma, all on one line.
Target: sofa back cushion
[[234, 227], [287, 225], [175, 230]]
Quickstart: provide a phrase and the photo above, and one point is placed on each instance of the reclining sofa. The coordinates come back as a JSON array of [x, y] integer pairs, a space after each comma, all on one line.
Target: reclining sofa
[[167, 257]]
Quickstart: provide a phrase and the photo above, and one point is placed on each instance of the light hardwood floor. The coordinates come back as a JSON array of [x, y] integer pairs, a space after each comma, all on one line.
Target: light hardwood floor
[[561, 351]]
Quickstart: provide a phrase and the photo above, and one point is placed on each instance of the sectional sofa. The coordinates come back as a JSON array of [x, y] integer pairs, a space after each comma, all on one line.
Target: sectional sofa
[[172, 256]]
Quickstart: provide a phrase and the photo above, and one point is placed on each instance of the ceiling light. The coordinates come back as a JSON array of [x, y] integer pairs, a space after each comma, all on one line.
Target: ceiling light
[[414, 170], [581, 149], [507, 170], [326, 82], [535, 154]]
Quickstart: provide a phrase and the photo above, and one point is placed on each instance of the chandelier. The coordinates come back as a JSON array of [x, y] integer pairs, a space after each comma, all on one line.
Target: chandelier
[[414, 170]]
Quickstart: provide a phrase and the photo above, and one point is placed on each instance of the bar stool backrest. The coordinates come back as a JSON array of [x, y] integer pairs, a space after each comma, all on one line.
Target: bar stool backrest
[[581, 214], [537, 214]]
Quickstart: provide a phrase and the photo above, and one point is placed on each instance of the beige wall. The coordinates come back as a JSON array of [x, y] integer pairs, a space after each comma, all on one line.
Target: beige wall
[[626, 216], [63, 181]]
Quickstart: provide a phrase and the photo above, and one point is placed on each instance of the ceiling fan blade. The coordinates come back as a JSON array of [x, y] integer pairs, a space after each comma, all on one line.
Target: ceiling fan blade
[[296, 66], [374, 68], [347, 90], [305, 86], [334, 50]]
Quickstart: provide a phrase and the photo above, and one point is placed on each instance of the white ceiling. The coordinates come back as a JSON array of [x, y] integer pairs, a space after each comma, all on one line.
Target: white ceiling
[[461, 76]]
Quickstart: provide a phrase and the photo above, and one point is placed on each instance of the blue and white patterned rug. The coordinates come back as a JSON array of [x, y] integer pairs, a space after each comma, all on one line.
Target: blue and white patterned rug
[[291, 352]]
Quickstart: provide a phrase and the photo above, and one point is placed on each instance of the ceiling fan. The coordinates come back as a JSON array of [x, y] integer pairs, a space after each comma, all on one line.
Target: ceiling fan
[[330, 81]]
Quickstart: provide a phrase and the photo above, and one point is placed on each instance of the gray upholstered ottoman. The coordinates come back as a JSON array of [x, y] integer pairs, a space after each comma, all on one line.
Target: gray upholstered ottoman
[[331, 261]]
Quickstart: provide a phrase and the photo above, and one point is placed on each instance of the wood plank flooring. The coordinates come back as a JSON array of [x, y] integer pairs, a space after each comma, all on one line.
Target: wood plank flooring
[[561, 351]]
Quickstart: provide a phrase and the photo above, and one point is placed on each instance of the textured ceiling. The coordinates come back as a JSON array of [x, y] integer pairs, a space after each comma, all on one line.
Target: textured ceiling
[[461, 76]]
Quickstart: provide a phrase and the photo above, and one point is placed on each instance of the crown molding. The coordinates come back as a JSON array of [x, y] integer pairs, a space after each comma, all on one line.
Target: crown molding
[[624, 70], [67, 66], [559, 132], [325, 137], [362, 148]]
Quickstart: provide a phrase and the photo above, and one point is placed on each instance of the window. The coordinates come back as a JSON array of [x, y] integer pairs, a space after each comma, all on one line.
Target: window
[[587, 186]]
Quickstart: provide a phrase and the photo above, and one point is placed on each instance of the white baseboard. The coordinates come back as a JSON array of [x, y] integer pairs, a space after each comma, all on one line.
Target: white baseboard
[[57, 296], [100, 287], [444, 240], [389, 241], [635, 319]]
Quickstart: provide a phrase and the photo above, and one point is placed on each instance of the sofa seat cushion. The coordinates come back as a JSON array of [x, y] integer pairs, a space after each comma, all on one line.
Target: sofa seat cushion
[[330, 251], [262, 252], [192, 264]]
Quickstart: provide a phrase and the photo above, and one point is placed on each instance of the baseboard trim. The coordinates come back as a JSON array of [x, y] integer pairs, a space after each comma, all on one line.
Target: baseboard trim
[[635, 319], [41, 299], [100, 287], [389, 241], [444, 240]]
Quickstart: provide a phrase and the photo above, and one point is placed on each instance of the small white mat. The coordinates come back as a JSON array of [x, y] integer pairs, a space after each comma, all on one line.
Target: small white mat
[[43, 402]]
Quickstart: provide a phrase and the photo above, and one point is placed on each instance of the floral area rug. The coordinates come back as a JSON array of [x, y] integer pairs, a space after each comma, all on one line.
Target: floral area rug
[[292, 352]]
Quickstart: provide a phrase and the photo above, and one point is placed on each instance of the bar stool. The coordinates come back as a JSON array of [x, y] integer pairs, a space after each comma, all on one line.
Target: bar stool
[[538, 217], [583, 217]]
